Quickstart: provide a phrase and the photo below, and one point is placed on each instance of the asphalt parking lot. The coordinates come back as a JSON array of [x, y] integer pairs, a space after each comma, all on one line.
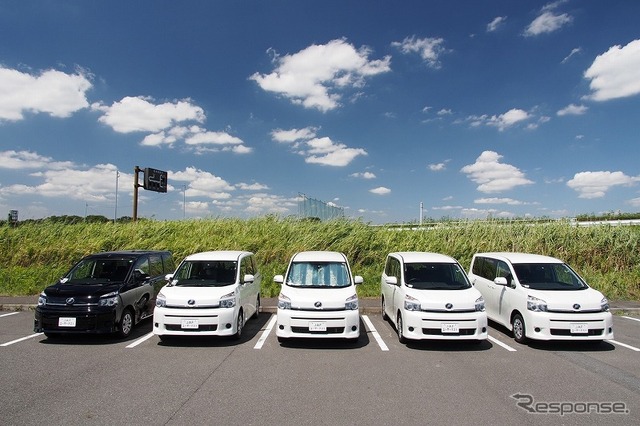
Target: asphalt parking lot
[[376, 380]]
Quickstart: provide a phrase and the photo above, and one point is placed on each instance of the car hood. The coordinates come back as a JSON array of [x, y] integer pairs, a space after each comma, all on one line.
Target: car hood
[[587, 300], [89, 290], [308, 298], [446, 300], [195, 297]]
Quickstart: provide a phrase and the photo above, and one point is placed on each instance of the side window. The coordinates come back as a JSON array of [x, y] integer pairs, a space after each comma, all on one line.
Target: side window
[[502, 270], [246, 267], [485, 268], [155, 265], [143, 265], [168, 263]]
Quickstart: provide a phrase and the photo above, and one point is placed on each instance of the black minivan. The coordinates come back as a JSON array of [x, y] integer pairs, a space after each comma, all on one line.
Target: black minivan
[[106, 292]]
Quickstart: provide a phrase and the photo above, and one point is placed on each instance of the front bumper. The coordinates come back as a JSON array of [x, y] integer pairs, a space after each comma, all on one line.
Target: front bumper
[[568, 326], [194, 322], [421, 325], [90, 321], [344, 324]]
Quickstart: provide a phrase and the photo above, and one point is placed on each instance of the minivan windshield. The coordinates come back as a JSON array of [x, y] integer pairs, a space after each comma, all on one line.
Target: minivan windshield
[[88, 271], [435, 276], [548, 276], [318, 274], [205, 273]]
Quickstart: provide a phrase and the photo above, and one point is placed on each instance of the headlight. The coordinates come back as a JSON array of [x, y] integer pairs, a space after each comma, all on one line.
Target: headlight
[[110, 299], [536, 305], [480, 304], [42, 299], [161, 300], [228, 300], [284, 302], [604, 305], [351, 304], [411, 303]]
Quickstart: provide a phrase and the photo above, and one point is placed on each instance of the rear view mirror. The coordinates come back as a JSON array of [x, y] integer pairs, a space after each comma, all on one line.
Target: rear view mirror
[[248, 278], [358, 280], [391, 280], [501, 281], [279, 279]]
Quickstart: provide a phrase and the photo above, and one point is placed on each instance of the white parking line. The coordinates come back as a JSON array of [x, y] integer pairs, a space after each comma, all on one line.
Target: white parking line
[[631, 318], [374, 333], [140, 340], [624, 345], [504, 345], [10, 313], [265, 333], [21, 339]]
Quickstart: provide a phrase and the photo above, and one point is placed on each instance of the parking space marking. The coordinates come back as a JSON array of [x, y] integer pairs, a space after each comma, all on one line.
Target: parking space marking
[[499, 343], [140, 340], [374, 333], [265, 333], [631, 318], [21, 339], [10, 313], [624, 345]]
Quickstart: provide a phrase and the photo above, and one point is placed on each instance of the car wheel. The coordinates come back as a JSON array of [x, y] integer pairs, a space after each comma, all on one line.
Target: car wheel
[[519, 333], [239, 326], [126, 324], [257, 312], [384, 310], [401, 337]]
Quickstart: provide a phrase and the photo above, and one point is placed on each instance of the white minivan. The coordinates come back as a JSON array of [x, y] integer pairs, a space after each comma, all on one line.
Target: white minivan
[[318, 297], [210, 294], [428, 296], [540, 297]]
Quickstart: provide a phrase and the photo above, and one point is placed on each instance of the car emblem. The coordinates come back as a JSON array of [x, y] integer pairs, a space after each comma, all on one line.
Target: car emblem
[[70, 301], [448, 306], [318, 305], [576, 306], [191, 302]]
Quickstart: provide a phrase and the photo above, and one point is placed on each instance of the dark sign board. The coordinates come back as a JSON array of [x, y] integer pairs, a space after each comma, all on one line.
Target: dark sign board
[[155, 180]]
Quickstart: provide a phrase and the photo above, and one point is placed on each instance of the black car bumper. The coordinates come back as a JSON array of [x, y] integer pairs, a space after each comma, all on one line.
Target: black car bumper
[[70, 321]]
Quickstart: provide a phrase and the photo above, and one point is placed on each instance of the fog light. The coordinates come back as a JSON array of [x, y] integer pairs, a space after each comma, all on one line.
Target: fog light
[[537, 329], [610, 329], [410, 329], [281, 327], [484, 329], [354, 328], [156, 324], [228, 325]]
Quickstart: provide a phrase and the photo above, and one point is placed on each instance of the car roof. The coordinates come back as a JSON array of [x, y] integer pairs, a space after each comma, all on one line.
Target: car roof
[[319, 256], [514, 257], [423, 257], [229, 255], [127, 253]]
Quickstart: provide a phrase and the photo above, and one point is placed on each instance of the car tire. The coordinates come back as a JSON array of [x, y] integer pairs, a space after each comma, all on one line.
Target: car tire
[[384, 312], [400, 331], [239, 326], [126, 324], [518, 327]]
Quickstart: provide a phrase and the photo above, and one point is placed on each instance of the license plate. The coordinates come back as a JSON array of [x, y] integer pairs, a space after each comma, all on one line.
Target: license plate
[[579, 328], [317, 326], [450, 328], [189, 323], [66, 322]]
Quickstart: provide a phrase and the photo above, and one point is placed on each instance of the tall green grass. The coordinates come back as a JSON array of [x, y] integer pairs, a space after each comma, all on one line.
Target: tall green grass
[[35, 255]]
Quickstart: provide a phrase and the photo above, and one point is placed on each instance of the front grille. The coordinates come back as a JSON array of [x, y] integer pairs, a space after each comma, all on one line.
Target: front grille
[[567, 332], [192, 307], [457, 311], [318, 309], [62, 301], [203, 327], [330, 330], [571, 311], [438, 332]]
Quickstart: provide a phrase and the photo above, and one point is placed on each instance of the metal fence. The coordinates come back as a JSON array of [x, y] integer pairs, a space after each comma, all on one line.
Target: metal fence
[[312, 208]]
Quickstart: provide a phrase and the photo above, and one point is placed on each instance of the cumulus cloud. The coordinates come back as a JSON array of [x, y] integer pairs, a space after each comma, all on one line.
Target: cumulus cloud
[[496, 23], [502, 121], [494, 176], [596, 184], [438, 167], [51, 92], [381, 190], [614, 74], [293, 135], [429, 49], [571, 54], [203, 184], [509, 201], [573, 110], [19, 160], [315, 76], [365, 175], [548, 21]]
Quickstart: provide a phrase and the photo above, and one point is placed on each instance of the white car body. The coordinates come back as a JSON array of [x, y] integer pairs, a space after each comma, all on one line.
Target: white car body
[[423, 306], [530, 288], [199, 301], [321, 304]]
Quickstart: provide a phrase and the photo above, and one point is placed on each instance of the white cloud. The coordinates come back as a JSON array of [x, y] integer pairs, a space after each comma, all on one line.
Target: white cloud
[[268, 203], [496, 23], [381, 190], [52, 92], [570, 55], [438, 167], [596, 184], [293, 135], [429, 49], [317, 150], [509, 201], [548, 21], [365, 175], [494, 176], [573, 110], [252, 186], [203, 184], [502, 121], [614, 74], [17, 160], [314, 76]]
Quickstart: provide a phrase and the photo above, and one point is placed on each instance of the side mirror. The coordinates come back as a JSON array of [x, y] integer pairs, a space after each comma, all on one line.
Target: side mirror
[[358, 280], [248, 278], [279, 279], [391, 280], [168, 277], [501, 281]]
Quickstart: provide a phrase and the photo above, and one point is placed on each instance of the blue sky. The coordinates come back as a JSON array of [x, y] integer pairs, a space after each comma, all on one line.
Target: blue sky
[[474, 108]]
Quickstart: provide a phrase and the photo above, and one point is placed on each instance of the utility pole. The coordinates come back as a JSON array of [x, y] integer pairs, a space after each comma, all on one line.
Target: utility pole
[[115, 214], [136, 185], [421, 210]]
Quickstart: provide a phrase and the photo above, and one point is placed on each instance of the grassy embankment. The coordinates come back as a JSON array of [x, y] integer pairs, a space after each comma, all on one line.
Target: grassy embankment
[[35, 255]]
